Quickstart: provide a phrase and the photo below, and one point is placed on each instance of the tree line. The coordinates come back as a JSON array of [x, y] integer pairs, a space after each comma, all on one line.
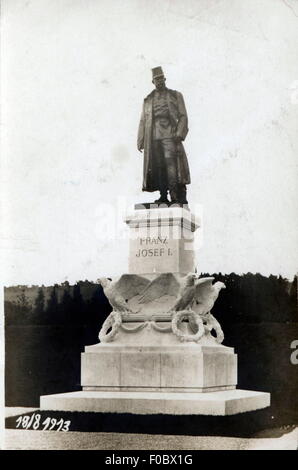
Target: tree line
[[249, 298]]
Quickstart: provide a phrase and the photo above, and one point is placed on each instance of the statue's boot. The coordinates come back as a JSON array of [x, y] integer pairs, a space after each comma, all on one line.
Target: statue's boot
[[163, 197], [182, 194], [178, 195], [174, 195]]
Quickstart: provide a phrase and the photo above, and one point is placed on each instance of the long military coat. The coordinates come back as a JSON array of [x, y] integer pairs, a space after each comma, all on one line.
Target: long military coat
[[179, 122]]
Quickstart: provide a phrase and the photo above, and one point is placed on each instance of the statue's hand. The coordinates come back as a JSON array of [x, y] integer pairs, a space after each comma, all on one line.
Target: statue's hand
[[178, 139], [140, 149]]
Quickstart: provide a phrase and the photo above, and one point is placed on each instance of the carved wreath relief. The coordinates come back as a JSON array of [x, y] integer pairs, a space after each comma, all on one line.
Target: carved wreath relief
[[131, 297]]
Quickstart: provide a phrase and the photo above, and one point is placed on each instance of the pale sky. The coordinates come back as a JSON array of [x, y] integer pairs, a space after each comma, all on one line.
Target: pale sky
[[74, 75]]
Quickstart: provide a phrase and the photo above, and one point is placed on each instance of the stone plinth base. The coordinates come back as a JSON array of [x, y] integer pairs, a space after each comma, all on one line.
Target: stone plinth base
[[177, 367], [219, 403]]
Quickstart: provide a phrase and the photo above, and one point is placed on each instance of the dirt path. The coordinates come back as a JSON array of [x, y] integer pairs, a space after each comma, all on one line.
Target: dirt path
[[19, 439]]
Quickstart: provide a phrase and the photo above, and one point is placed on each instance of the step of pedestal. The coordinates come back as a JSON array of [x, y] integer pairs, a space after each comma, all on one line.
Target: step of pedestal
[[219, 403]]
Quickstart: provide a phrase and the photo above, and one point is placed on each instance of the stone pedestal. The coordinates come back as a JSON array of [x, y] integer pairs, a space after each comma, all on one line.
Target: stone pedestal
[[151, 372], [161, 240], [222, 403], [161, 348], [177, 368]]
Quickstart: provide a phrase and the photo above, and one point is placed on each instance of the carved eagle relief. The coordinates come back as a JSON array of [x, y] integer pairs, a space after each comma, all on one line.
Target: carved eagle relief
[[167, 298]]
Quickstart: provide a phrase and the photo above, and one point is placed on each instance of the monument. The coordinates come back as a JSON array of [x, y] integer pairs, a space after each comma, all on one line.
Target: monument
[[160, 349]]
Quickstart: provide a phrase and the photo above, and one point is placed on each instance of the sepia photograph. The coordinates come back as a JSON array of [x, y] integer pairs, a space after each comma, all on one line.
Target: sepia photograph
[[149, 227]]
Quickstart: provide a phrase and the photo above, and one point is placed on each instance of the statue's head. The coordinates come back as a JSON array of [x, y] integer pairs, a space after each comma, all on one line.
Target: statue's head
[[158, 78]]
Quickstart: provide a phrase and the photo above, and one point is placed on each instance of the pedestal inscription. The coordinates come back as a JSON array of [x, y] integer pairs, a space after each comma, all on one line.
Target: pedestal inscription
[[161, 240]]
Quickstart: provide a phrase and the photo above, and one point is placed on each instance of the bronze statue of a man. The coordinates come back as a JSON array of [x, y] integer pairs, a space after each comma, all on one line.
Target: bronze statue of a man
[[163, 127]]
